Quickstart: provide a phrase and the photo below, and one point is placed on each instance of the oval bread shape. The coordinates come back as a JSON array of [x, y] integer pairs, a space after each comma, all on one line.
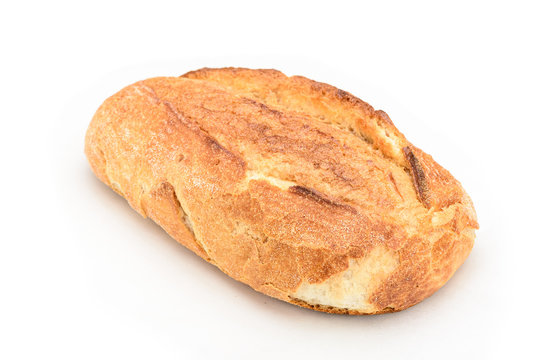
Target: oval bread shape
[[296, 188]]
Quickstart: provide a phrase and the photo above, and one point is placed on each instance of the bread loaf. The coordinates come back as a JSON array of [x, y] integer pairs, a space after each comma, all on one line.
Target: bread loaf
[[294, 187]]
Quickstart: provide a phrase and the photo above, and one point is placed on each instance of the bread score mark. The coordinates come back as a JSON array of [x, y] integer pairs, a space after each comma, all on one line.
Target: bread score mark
[[318, 197], [418, 176], [167, 192], [194, 126]]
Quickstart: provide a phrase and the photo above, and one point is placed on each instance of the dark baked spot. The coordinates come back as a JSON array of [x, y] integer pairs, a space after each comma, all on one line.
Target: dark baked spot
[[418, 176], [341, 94], [320, 198], [384, 117], [214, 145]]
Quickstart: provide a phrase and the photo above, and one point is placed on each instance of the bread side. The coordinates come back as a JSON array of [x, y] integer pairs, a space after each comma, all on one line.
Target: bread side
[[293, 187]]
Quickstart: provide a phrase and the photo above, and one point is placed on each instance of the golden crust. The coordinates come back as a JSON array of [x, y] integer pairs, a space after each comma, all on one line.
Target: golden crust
[[294, 187]]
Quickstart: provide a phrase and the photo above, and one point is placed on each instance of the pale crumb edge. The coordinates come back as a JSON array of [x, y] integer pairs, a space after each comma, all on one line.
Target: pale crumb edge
[[351, 289]]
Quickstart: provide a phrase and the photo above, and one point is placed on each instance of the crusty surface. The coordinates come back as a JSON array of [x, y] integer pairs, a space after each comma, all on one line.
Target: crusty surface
[[294, 187]]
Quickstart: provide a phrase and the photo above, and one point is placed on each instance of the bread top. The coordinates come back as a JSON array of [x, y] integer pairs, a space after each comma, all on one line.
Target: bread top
[[304, 174]]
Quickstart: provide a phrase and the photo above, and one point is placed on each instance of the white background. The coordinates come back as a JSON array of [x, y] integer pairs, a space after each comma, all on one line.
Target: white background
[[83, 276]]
